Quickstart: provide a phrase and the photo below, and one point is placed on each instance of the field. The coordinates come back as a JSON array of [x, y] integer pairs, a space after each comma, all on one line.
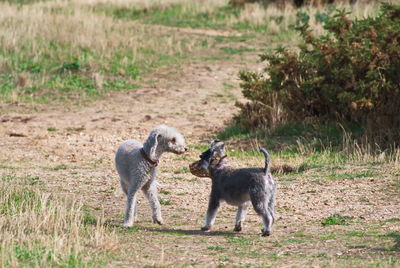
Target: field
[[79, 77]]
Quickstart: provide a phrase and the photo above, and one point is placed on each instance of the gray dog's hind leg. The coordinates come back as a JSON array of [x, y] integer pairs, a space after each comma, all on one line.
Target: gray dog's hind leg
[[261, 207], [271, 208], [240, 216], [151, 193], [213, 206], [268, 220]]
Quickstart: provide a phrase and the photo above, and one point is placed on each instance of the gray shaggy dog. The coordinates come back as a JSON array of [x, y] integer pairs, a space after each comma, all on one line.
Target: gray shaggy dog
[[136, 165], [238, 187]]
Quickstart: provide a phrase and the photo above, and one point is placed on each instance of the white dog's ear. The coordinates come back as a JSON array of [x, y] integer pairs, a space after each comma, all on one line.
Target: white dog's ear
[[154, 139]]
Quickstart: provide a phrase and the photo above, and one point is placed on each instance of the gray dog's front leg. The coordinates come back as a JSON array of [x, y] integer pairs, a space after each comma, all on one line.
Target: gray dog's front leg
[[213, 206], [240, 216]]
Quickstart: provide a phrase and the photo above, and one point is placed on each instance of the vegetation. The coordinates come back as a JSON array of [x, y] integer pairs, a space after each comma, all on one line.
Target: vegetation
[[348, 74], [94, 54], [297, 3], [183, 54], [86, 57], [40, 231]]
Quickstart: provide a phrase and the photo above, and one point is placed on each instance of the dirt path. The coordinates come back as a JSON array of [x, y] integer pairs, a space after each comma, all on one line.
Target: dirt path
[[71, 148]]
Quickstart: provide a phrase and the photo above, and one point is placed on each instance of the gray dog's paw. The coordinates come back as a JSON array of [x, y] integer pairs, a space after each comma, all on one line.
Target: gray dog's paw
[[158, 221], [265, 233], [238, 228], [205, 228]]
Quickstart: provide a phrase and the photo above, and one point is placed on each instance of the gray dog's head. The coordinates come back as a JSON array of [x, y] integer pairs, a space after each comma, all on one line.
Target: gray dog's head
[[166, 139], [212, 156]]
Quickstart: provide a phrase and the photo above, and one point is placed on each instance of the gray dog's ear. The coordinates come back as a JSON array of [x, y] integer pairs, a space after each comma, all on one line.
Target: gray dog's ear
[[213, 143], [154, 139]]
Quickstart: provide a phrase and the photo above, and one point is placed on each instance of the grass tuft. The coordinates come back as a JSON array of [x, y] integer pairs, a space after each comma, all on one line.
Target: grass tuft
[[336, 219]]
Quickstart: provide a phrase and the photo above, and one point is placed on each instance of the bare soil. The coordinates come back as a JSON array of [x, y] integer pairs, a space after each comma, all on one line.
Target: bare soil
[[76, 160]]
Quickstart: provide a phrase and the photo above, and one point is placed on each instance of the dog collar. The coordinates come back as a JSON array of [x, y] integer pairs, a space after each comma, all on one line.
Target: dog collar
[[145, 156], [222, 165]]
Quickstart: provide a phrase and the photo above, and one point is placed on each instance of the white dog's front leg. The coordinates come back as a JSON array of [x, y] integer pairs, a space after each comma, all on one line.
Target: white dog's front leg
[[151, 194]]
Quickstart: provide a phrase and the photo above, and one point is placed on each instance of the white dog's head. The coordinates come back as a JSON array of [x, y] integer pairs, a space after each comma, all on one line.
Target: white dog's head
[[166, 139]]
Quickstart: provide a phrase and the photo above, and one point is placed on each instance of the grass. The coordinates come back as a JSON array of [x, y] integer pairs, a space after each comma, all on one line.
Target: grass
[[336, 219], [60, 167], [329, 143], [219, 15], [165, 202], [181, 171], [100, 50], [89, 56], [90, 51], [41, 231], [217, 248]]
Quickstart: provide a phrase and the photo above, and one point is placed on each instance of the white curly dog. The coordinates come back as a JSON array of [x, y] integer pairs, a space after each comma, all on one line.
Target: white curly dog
[[137, 168]]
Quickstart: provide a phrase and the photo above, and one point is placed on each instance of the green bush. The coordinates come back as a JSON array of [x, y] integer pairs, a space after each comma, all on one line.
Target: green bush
[[349, 74]]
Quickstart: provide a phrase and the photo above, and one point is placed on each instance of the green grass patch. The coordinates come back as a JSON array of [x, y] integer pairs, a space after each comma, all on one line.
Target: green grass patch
[[183, 16], [233, 131], [336, 219], [182, 170], [165, 202], [19, 200], [291, 240], [302, 235], [200, 148], [7, 167], [234, 50], [217, 248], [240, 241], [287, 179], [165, 192], [392, 220], [179, 158], [23, 2], [396, 238], [320, 144], [60, 167], [341, 176], [355, 234], [327, 237], [350, 176]]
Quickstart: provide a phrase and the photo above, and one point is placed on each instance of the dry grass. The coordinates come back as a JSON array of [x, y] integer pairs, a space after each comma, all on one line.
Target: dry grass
[[40, 38], [69, 23], [37, 40], [72, 152], [275, 18], [41, 230]]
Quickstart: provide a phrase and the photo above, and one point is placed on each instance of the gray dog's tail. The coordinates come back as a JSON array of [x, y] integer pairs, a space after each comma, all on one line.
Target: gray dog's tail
[[266, 168]]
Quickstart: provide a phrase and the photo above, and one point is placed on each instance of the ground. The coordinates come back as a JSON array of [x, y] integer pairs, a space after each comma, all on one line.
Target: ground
[[70, 148]]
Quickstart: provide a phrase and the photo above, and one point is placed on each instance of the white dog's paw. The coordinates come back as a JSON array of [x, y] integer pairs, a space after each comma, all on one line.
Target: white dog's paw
[[127, 225]]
